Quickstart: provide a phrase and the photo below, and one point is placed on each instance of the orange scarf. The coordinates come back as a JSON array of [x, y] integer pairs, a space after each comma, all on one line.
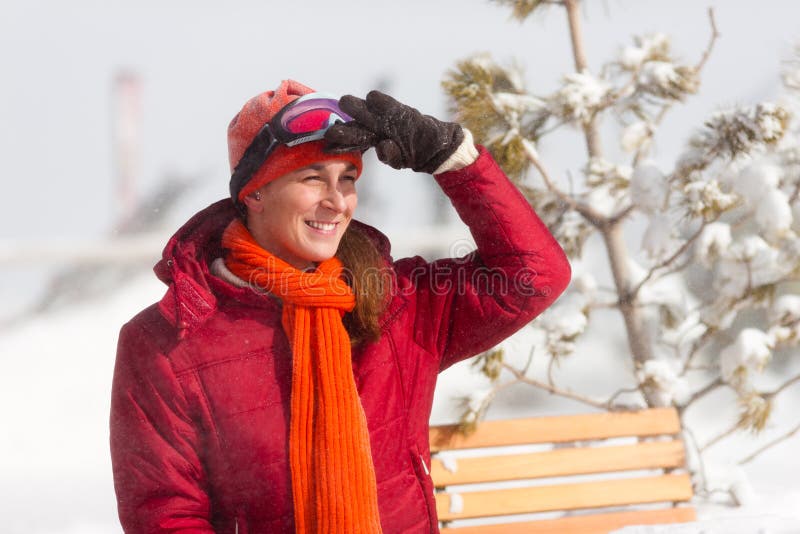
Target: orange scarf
[[333, 477]]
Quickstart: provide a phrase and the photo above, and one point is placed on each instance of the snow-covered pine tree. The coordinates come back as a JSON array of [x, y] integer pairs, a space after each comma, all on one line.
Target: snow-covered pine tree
[[727, 214]]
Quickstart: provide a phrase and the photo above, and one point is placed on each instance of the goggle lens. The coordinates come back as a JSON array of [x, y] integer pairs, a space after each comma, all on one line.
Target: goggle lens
[[311, 113], [310, 121]]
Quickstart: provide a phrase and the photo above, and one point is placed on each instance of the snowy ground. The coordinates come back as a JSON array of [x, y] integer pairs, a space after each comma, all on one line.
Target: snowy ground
[[54, 458]]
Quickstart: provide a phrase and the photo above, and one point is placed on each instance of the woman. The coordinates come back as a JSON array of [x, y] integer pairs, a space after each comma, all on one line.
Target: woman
[[285, 380]]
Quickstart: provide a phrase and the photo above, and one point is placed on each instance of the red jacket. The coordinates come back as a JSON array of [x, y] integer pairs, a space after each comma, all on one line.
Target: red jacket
[[200, 402]]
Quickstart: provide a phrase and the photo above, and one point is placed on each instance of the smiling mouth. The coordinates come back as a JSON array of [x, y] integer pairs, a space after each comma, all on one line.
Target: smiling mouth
[[322, 226]]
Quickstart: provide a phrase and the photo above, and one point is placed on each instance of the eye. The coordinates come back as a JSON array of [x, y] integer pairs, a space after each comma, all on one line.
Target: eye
[[349, 178], [312, 178]]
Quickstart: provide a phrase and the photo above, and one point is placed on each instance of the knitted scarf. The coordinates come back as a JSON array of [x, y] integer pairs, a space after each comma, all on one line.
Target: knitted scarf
[[333, 477]]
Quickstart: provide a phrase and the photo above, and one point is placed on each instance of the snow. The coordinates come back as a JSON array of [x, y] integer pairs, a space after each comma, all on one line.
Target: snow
[[449, 462], [566, 318], [658, 73], [713, 240], [659, 237], [476, 404], [586, 284], [601, 171], [792, 79], [636, 136], [664, 376], [580, 94], [55, 450], [648, 47], [755, 180], [785, 309], [519, 103], [649, 187], [702, 196], [572, 226], [774, 214], [770, 126], [749, 261], [604, 199], [456, 503], [749, 354]]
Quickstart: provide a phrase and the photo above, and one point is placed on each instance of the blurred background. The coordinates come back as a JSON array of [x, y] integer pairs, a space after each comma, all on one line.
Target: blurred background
[[113, 120]]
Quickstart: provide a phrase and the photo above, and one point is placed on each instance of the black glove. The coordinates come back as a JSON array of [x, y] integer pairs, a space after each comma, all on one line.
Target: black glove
[[402, 136]]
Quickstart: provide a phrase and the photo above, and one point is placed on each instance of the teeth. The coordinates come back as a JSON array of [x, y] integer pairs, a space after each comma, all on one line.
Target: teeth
[[325, 227]]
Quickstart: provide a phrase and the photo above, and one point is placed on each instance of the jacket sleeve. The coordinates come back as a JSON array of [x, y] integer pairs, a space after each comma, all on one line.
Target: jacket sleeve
[[158, 474], [467, 305]]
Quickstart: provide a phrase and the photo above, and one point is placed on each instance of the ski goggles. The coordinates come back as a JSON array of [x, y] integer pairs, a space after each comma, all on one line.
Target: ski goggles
[[301, 121]]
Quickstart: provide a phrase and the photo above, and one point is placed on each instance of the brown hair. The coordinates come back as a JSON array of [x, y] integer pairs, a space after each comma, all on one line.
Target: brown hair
[[368, 275]]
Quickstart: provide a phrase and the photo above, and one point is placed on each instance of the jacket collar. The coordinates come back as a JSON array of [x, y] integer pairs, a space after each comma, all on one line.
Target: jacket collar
[[184, 267]]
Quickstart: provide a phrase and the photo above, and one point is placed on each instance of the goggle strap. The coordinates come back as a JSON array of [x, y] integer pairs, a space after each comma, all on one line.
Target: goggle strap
[[252, 159]]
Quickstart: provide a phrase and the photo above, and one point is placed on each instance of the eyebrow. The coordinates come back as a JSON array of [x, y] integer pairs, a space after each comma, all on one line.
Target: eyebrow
[[321, 166]]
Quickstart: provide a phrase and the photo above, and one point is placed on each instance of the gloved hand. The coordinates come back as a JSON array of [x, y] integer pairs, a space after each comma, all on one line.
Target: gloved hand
[[402, 136]]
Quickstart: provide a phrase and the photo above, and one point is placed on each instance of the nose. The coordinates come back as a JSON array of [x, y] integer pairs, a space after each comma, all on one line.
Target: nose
[[334, 200]]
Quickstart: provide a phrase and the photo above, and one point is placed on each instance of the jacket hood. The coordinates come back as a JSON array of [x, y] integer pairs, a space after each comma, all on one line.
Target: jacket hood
[[185, 264]]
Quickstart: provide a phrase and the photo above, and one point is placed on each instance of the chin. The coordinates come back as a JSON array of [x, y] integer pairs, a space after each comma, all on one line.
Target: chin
[[318, 256]]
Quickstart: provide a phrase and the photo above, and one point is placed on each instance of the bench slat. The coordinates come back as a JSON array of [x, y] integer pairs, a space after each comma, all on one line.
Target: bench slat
[[560, 462], [618, 492], [589, 524], [558, 429]]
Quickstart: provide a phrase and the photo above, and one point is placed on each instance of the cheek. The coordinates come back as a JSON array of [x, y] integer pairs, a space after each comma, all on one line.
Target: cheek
[[352, 202]]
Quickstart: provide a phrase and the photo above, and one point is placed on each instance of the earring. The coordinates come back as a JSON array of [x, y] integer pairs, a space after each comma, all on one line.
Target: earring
[[257, 195]]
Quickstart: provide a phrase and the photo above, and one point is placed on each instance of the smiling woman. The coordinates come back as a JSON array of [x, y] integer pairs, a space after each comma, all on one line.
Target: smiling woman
[[284, 382]]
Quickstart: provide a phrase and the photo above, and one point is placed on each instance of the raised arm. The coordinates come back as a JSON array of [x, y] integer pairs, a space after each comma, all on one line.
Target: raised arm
[[469, 304], [463, 305], [158, 474]]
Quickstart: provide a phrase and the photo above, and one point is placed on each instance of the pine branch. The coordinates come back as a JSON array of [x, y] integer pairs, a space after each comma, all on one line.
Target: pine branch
[[615, 219], [550, 380], [769, 445], [701, 471], [697, 395], [788, 383], [719, 437], [668, 261], [768, 396], [714, 36], [612, 398], [589, 213], [698, 68], [604, 305], [581, 65], [520, 377], [795, 193], [705, 338]]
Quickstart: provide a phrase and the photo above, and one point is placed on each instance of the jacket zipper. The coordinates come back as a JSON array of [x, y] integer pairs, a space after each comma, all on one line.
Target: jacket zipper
[[425, 497]]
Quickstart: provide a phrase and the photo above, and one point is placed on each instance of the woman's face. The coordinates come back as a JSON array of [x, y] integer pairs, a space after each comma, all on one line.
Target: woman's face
[[302, 216]]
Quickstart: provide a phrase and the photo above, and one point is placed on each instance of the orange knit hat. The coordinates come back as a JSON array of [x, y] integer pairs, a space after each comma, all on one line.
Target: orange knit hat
[[257, 112]]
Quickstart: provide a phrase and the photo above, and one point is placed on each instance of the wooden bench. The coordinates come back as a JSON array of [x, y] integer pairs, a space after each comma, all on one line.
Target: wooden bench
[[596, 485]]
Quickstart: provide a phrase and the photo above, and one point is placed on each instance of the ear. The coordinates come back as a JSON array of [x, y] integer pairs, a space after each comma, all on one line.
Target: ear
[[254, 202]]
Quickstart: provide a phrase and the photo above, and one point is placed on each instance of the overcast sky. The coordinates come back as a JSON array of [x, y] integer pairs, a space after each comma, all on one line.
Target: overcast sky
[[200, 60]]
